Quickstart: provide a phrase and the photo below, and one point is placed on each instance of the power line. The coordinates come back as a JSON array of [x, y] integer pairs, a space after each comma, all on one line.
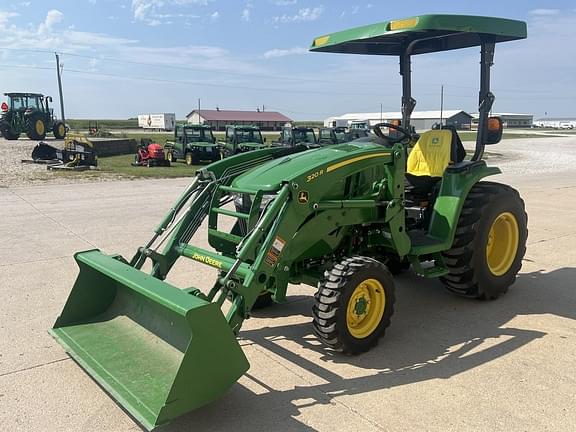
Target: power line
[[194, 83]]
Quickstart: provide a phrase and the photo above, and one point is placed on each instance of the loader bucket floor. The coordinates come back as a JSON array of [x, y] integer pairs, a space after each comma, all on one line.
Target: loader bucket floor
[[158, 350]]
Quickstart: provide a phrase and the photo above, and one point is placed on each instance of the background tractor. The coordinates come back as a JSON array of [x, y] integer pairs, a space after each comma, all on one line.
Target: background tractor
[[194, 144], [31, 114], [342, 218], [241, 139], [298, 135], [339, 135]]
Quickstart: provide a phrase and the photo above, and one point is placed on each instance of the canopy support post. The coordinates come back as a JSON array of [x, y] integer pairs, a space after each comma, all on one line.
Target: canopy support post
[[485, 97], [408, 102]]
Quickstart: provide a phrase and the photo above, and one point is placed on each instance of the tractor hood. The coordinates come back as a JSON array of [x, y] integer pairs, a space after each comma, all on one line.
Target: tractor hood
[[270, 175]]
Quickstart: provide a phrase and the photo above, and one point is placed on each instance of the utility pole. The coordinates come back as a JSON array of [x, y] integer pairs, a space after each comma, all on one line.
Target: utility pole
[[441, 105], [199, 122], [60, 87]]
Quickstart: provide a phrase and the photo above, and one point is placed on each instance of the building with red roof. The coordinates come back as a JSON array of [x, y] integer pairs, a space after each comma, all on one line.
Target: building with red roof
[[218, 119]]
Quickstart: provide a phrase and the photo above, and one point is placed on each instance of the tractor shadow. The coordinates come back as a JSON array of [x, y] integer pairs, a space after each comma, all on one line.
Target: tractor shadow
[[434, 335]]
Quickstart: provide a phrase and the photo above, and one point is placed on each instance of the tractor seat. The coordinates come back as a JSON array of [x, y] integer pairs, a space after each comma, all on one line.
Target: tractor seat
[[431, 155]]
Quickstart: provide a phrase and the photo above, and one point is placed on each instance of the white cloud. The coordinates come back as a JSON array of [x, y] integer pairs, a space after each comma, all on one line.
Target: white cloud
[[92, 2], [544, 12], [285, 2], [245, 14], [304, 14], [215, 16], [278, 52], [149, 11], [25, 4], [53, 17], [5, 16]]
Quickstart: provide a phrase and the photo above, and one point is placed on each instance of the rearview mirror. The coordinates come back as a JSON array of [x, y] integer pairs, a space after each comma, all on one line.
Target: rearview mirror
[[493, 130]]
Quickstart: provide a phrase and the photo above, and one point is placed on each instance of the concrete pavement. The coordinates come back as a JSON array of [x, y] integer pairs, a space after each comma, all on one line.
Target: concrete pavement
[[446, 363]]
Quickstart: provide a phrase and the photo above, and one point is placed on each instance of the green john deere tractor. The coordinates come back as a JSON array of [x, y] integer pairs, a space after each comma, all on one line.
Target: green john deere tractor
[[343, 218], [241, 139], [193, 143], [29, 113], [291, 136]]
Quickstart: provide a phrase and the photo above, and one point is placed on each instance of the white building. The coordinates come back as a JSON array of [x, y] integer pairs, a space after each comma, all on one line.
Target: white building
[[509, 120], [556, 122], [421, 120]]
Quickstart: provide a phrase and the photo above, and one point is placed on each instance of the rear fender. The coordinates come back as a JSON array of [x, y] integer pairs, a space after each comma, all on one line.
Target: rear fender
[[448, 206]]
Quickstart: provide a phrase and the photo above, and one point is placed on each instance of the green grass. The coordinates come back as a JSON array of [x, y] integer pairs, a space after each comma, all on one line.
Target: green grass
[[121, 166], [103, 124]]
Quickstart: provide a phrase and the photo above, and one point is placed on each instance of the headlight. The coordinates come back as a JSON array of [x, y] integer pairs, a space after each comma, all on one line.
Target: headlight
[[244, 202]]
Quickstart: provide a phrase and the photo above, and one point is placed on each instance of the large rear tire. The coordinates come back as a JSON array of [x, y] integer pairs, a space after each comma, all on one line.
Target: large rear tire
[[36, 127], [354, 303], [490, 242]]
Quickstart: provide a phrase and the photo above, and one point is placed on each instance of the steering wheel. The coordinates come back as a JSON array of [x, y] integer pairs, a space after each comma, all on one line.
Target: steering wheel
[[404, 134]]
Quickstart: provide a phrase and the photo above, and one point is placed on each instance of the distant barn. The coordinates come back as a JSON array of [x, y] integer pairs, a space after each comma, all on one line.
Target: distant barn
[[218, 119]]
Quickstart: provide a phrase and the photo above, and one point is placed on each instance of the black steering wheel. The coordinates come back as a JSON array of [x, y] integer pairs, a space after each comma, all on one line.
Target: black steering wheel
[[404, 134]]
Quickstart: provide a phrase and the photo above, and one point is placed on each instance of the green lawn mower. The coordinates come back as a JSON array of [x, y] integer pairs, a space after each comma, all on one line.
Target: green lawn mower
[[343, 218], [29, 113]]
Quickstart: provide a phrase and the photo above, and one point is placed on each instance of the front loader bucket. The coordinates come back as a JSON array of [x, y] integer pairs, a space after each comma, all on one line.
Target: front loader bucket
[[158, 350]]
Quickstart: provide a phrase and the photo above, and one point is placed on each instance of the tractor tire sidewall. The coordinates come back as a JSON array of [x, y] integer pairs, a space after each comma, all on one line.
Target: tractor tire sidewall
[[339, 336], [382, 275], [10, 135], [469, 273], [488, 283], [189, 158], [59, 130], [170, 157], [31, 127]]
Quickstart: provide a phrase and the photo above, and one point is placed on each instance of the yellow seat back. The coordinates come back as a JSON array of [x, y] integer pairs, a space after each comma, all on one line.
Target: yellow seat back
[[431, 154]]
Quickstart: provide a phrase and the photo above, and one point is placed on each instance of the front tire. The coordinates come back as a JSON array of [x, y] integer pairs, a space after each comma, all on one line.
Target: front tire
[[354, 304], [170, 157], [10, 135], [59, 130], [490, 242], [189, 158]]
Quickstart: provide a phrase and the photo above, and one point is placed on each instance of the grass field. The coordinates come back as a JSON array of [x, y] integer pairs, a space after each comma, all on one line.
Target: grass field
[[121, 165]]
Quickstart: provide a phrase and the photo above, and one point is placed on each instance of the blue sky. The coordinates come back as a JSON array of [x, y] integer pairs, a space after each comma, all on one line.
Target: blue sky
[[124, 57]]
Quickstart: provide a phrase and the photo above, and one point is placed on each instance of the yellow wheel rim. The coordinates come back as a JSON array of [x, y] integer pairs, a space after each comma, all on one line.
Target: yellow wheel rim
[[169, 156], [502, 245], [365, 308], [61, 130], [189, 158], [39, 127]]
